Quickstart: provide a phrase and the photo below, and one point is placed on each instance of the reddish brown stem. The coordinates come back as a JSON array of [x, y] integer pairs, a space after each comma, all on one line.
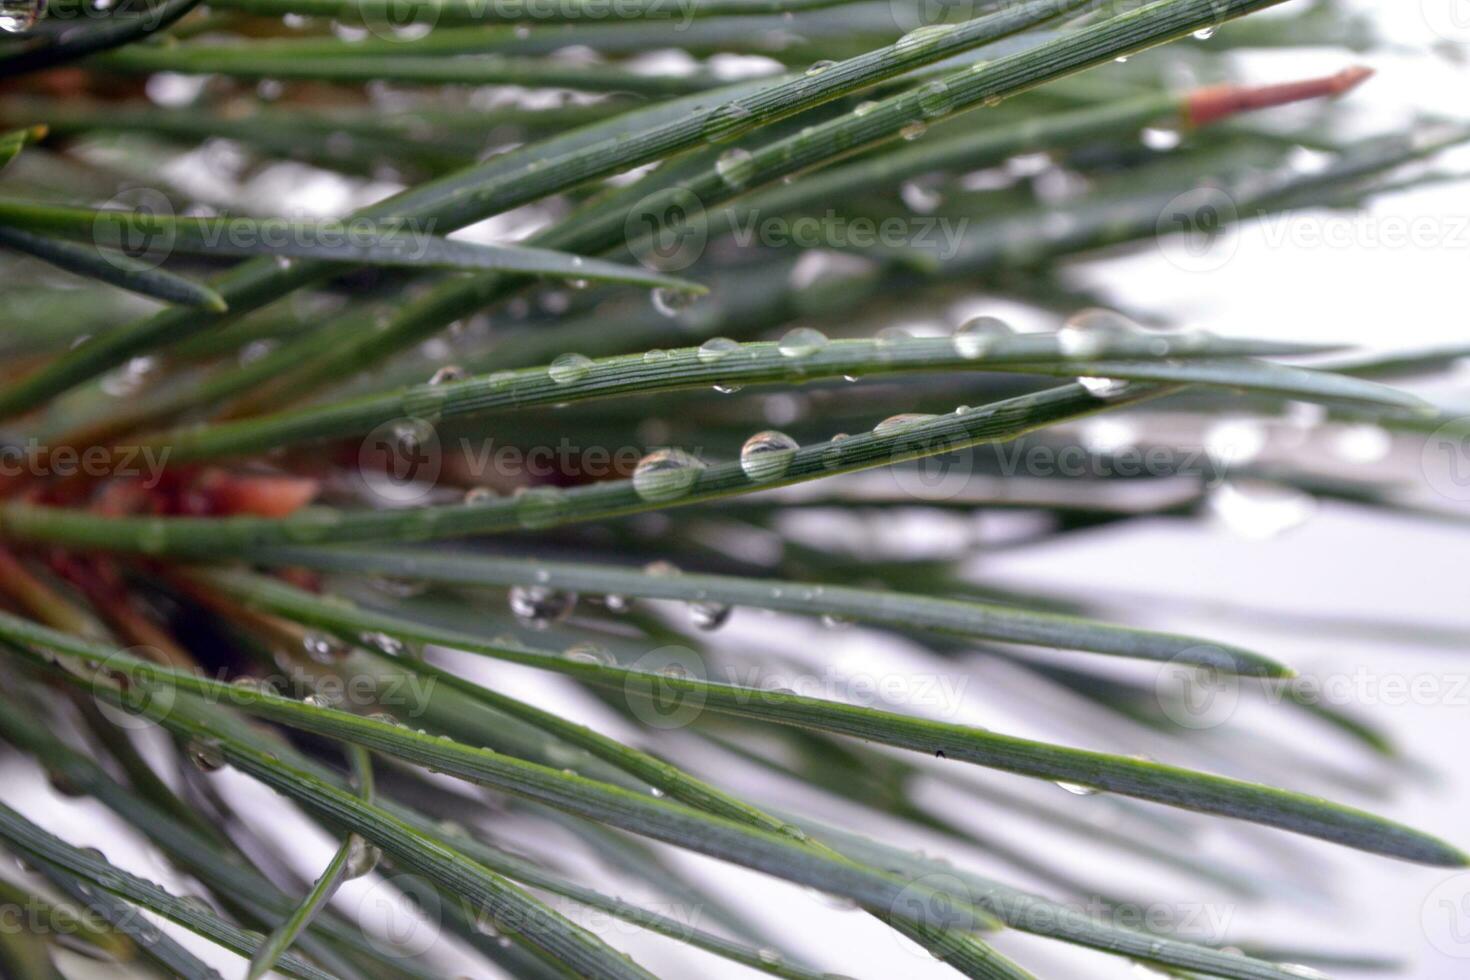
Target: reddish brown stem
[[1207, 105]]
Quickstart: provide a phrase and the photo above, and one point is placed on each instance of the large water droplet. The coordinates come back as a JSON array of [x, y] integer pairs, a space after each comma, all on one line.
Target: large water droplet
[[709, 615], [977, 335], [1103, 388], [801, 342], [735, 167], [1259, 510], [538, 606], [716, 349], [897, 423], [1088, 332], [1077, 789], [672, 302], [569, 368], [20, 15], [206, 754], [665, 474], [767, 455], [362, 857]]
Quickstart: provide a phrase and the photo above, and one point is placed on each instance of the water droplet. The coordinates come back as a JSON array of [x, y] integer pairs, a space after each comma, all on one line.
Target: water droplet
[[1301, 970], [716, 349], [448, 373], [1088, 333], [1161, 139], [801, 342], [20, 15], [539, 507], [617, 604], [979, 334], [672, 302], [656, 792], [735, 167], [383, 643], [727, 122], [538, 606], [912, 131], [935, 99], [1077, 789], [922, 37], [768, 956], [834, 622], [476, 496], [819, 66], [863, 108], [317, 700], [323, 648], [727, 389], [362, 857], [1259, 510], [666, 474], [1204, 33], [1103, 388], [767, 455], [589, 653], [708, 615], [569, 368], [661, 569], [206, 754], [897, 423], [919, 198]]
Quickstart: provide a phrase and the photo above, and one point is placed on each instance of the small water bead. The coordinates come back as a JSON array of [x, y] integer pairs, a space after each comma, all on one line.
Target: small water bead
[[912, 131], [863, 108], [661, 569], [727, 122], [1104, 388], [447, 374], [589, 653], [323, 649], [666, 474], [391, 646], [655, 356], [834, 622], [362, 857], [1077, 789], [317, 700], [727, 389], [1301, 970], [767, 455], [978, 335], [897, 423], [539, 507], [538, 606], [768, 956], [1204, 33], [476, 496], [735, 167], [206, 754], [569, 368], [801, 342], [716, 349], [935, 99], [818, 67], [832, 455], [1088, 332], [672, 302], [707, 615], [617, 604], [919, 198], [922, 37], [20, 15]]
